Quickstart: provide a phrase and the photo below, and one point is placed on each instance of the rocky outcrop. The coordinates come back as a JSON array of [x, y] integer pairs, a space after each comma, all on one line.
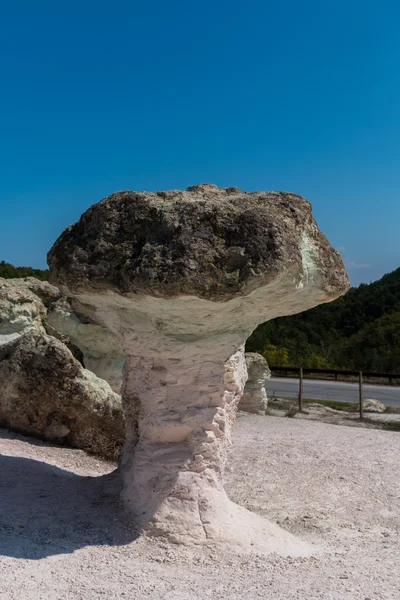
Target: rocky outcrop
[[46, 292], [102, 351], [183, 278], [28, 304], [254, 398], [44, 391], [21, 311]]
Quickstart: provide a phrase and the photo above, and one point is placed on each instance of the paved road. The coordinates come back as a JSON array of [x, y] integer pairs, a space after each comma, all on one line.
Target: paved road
[[332, 390]]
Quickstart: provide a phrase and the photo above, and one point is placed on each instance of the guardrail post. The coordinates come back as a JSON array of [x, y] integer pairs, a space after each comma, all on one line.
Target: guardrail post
[[301, 390], [361, 407]]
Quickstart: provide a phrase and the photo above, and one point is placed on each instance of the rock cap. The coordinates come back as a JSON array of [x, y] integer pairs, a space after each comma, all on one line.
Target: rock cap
[[214, 243]]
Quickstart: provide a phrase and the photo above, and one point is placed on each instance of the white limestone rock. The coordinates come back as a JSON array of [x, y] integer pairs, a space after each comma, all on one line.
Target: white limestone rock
[[44, 391], [46, 292], [102, 350], [235, 378], [254, 398], [183, 278]]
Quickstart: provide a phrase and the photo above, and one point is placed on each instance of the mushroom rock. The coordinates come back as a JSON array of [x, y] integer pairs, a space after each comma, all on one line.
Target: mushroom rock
[[254, 399], [183, 278]]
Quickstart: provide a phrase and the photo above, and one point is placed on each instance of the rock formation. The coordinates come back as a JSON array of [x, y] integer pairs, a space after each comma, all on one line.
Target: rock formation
[[235, 378], [44, 391], [21, 311], [183, 278], [102, 352], [46, 292], [254, 399]]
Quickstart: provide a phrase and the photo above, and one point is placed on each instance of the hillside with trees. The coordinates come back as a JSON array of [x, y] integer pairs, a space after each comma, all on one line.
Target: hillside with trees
[[359, 331], [8, 271]]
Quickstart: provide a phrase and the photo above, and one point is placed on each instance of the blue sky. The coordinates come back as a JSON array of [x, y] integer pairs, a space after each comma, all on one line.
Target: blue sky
[[297, 96]]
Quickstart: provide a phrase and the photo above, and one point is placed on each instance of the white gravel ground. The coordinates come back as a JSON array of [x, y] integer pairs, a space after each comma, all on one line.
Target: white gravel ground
[[61, 536]]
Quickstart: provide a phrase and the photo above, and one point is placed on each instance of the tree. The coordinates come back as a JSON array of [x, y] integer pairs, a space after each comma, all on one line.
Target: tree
[[8, 271]]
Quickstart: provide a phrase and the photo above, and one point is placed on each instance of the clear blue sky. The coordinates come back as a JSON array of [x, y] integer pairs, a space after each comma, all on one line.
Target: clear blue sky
[[301, 96]]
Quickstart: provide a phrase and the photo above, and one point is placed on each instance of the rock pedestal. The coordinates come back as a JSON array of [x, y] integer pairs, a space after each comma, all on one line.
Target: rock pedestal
[[254, 399], [183, 278], [21, 312]]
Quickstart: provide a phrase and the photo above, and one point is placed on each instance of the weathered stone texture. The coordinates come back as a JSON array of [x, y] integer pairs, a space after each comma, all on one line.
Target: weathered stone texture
[[21, 311], [183, 278], [254, 399], [46, 292], [44, 391], [373, 406], [102, 352]]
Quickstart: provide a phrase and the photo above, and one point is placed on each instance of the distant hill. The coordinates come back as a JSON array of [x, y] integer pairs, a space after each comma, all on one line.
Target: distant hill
[[8, 271], [360, 330]]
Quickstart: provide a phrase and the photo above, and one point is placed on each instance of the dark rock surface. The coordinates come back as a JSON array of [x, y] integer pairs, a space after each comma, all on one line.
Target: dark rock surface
[[216, 243]]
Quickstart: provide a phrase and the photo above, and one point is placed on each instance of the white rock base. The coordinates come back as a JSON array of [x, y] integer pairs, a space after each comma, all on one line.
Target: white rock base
[[182, 381], [179, 418]]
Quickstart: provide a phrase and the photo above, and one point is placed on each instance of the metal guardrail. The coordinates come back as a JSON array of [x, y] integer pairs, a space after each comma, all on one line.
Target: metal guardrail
[[336, 372]]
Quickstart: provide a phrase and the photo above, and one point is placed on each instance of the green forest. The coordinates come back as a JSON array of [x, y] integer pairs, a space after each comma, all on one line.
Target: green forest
[[359, 331], [8, 271]]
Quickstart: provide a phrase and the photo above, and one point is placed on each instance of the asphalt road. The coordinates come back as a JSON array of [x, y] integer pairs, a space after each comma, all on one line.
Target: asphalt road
[[332, 390]]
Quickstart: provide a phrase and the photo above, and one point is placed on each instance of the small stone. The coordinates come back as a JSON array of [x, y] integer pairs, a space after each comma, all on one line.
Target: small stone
[[373, 406]]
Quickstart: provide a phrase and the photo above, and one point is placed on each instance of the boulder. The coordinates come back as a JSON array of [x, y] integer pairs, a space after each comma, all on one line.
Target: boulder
[[373, 406], [21, 311], [254, 398], [46, 292], [182, 278], [102, 352], [44, 391]]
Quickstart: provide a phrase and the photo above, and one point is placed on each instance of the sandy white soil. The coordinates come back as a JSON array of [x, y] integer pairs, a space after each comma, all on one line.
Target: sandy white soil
[[62, 536]]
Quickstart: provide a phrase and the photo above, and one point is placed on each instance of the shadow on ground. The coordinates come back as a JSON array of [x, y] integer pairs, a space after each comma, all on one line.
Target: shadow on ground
[[45, 510]]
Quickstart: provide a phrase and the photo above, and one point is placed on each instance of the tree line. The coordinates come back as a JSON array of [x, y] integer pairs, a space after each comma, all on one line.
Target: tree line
[[8, 271]]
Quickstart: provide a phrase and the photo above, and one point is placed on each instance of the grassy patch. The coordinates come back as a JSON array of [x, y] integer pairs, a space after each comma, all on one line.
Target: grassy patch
[[292, 412], [387, 425]]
